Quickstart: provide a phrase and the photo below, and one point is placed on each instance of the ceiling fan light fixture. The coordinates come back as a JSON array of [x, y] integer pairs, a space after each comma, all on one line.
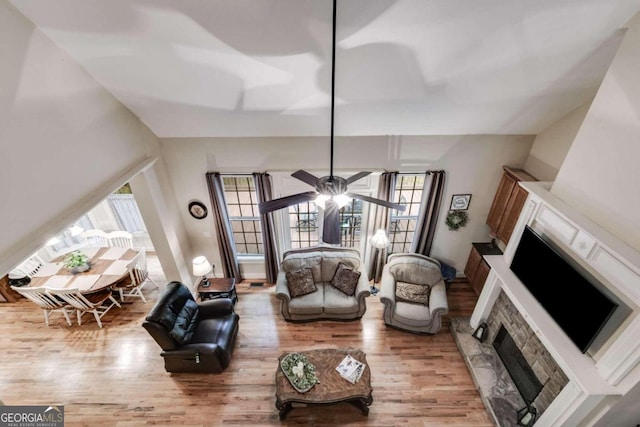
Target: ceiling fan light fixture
[[342, 200]]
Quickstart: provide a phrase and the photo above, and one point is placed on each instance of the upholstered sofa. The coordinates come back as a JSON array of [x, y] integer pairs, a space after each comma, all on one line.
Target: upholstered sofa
[[418, 310], [326, 302], [194, 337]]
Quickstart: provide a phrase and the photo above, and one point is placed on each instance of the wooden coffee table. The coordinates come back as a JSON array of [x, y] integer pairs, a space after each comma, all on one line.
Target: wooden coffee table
[[332, 388]]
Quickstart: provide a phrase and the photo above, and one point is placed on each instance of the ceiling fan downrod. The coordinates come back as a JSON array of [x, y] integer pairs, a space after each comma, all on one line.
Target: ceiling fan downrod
[[333, 86]]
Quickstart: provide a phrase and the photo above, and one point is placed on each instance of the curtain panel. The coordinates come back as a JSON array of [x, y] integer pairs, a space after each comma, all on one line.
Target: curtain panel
[[382, 220], [264, 192], [226, 242], [428, 219]]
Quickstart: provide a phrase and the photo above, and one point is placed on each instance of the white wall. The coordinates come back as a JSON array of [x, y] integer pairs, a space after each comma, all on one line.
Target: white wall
[[600, 175], [65, 143], [552, 145], [473, 165]]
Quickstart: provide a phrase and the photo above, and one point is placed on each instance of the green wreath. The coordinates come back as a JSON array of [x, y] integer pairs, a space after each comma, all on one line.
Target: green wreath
[[457, 219]]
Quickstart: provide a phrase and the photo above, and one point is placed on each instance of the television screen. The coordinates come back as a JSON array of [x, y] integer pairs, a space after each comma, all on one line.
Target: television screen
[[576, 305]]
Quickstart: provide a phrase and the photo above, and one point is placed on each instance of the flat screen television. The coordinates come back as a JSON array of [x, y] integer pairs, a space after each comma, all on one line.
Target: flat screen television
[[570, 298]]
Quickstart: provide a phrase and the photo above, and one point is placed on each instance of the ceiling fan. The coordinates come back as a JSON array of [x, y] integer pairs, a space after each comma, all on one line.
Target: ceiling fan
[[331, 192]]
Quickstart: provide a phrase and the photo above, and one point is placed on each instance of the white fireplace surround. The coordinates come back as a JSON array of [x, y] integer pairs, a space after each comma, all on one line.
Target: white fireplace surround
[[596, 381]]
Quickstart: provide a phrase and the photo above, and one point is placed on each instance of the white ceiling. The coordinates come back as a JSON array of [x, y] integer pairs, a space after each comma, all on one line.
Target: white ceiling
[[196, 68]]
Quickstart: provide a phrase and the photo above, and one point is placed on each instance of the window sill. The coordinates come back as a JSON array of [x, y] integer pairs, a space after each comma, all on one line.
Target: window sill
[[250, 259]]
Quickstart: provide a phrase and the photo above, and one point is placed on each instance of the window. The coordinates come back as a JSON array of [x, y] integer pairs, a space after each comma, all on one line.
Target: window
[[303, 225], [351, 224], [408, 192], [242, 206]]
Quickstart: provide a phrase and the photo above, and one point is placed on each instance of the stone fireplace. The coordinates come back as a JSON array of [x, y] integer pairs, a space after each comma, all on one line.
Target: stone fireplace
[[577, 388], [544, 367], [537, 379]]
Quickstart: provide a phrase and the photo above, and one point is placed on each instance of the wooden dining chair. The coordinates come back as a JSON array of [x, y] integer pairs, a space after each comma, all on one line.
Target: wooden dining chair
[[97, 238], [132, 285], [44, 300], [28, 267], [120, 239], [98, 303]]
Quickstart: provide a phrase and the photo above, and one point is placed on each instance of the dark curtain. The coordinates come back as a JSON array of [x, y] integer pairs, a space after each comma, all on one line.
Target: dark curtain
[[426, 226], [265, 193], [226, 243], [382, 220]]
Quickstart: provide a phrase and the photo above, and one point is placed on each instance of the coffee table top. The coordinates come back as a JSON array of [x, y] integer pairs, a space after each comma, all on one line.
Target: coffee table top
[[332, 388]]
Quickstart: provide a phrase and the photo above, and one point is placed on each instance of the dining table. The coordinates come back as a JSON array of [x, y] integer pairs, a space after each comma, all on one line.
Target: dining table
[[108, 266]]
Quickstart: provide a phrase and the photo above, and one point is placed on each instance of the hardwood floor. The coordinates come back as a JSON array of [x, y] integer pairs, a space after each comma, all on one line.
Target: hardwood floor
[[115, 376]]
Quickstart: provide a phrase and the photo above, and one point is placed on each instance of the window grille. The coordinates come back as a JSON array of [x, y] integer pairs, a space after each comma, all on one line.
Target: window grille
[[242, 206], [408, 192]]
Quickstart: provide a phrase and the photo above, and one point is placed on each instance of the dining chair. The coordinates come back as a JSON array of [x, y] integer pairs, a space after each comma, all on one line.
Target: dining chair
[[44, 300], [28, 267], [138, 276], [120, 239], [87, 303], [97, 238]]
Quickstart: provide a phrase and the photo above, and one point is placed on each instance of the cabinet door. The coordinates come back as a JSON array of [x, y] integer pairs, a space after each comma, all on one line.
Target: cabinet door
[[481, 276], [500, 202], [472, 264], [511, 213]]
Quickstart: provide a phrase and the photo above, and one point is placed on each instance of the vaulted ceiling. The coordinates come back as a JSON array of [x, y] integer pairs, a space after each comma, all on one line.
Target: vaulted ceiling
[[195, 68]]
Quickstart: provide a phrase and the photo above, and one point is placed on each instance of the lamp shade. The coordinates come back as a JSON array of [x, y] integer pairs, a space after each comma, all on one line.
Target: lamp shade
[[379, 240], [201, 266]]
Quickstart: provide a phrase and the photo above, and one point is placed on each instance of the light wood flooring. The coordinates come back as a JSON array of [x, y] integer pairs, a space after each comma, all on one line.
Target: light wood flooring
[[115, 376]]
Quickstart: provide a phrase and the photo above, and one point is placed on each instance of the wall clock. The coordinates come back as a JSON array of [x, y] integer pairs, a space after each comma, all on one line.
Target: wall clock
[[197, 210]]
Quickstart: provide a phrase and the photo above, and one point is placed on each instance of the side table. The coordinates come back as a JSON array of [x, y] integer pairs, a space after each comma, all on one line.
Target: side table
[[219, 288]]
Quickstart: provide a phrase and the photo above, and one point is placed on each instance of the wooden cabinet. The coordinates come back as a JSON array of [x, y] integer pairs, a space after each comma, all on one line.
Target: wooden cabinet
[[508, 203], [477, 268]]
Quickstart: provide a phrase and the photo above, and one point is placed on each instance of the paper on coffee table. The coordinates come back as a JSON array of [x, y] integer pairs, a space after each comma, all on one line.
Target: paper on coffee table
[[350, 369]]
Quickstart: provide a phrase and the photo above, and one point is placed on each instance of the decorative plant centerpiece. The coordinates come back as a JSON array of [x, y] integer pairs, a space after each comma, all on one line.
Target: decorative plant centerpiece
[[77, 262], [299, 371]]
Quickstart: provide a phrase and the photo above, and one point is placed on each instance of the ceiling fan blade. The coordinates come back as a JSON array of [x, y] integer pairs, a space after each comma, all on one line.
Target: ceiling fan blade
[[283, 202], [396, 206], [331, 224], [305, 176], [357, 176]]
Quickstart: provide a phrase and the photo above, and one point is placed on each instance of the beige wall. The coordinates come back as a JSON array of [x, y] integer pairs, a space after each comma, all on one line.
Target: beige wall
[[600, 175], [473, 165], [65, 142], [552, 145]]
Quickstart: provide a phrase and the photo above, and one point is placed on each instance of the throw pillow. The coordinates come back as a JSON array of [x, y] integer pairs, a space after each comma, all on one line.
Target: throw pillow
[[300, 282], [345, 279], [410, 292], [186, 322]]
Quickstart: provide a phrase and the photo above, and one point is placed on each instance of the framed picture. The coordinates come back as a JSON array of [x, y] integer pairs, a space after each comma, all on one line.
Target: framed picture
[[197, 210], [460, 202]]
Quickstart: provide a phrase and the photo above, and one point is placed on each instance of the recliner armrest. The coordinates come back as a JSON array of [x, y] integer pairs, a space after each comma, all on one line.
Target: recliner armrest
[[215, 308]]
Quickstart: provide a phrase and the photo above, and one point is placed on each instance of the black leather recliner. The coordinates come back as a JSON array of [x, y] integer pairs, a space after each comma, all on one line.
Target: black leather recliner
[[194, 337]]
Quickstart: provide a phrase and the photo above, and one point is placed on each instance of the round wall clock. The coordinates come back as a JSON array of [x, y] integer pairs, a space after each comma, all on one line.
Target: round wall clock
[[197, 210]]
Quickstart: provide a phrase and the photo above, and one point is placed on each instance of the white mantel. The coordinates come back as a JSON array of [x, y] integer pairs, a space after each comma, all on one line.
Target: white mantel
[[596, 380]]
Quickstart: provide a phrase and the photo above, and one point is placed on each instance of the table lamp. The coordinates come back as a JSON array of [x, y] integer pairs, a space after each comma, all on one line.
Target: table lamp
[[202, 267], [379, 241]]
